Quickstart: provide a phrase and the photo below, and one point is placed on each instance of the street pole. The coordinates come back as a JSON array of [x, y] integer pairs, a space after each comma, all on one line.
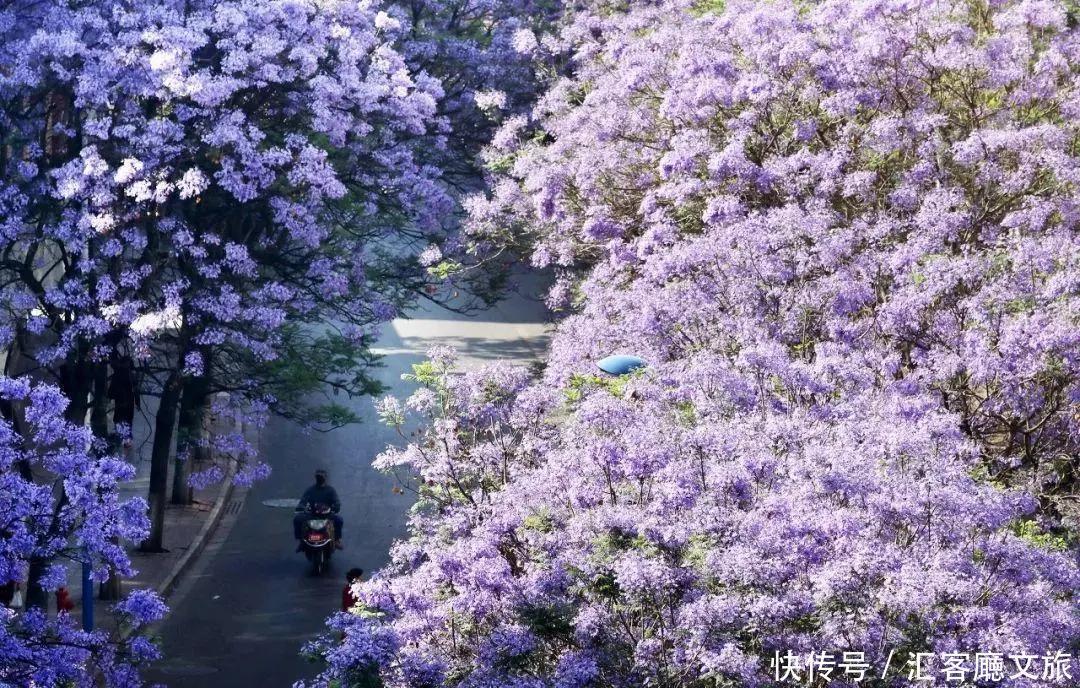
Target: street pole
[[87, 597]]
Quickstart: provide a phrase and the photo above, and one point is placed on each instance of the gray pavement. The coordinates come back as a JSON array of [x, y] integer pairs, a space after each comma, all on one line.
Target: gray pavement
[[243, 611]]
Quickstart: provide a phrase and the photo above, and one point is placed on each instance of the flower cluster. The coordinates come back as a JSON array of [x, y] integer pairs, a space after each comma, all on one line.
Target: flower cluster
[[87, 525], [865, 176], [843, 235], [182, 184], [220, 147]]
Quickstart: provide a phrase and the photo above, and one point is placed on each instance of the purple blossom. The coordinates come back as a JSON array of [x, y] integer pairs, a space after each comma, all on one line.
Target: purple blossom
[[142, 607], [857, 295]]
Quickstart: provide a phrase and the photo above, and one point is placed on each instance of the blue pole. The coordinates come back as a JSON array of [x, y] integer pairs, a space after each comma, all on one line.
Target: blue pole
[[87, 598]]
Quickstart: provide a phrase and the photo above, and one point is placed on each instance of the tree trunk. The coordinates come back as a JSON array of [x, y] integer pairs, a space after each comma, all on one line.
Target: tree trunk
[[76, 380], [99, 407], [164, 422], [124, 393], [36, 596], [110, 589], [99, 423], [76, 375], [123, 390], [189, 436]]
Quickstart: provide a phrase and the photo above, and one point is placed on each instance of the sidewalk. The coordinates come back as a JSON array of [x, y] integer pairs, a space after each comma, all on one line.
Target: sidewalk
[[187, 529]]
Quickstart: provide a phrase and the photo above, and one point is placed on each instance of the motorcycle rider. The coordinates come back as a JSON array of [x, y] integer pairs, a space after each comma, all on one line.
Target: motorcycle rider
[[319, 493]]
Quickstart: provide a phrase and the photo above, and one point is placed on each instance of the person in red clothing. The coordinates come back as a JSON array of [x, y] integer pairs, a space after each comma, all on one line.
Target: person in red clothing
[[63, 601], [348, 599]]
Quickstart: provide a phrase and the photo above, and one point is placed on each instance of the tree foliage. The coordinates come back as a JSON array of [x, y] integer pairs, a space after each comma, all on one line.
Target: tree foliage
[[843, 234]]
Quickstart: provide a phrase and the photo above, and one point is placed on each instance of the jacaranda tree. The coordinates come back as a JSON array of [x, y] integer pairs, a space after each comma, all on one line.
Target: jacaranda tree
[[43, 454], [215, 169], [843, 235], [481, 51], [186, 184]]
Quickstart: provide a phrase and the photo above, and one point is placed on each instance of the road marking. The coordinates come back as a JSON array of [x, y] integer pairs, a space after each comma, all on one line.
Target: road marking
[[286, 503]]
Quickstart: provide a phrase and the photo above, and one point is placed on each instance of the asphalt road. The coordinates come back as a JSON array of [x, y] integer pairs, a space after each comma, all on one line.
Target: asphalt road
[[241, 615]]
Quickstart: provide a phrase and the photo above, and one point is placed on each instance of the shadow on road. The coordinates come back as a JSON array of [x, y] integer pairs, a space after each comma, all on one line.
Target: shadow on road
[[250, 603]]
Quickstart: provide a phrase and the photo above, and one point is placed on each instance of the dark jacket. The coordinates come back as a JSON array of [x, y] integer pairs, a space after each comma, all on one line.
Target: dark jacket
[[320, 494]]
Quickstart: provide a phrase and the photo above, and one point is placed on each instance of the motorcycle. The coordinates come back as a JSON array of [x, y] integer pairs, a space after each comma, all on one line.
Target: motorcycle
[[317, 537]]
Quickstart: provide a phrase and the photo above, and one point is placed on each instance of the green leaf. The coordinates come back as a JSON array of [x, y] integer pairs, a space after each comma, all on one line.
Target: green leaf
[[445, 269]]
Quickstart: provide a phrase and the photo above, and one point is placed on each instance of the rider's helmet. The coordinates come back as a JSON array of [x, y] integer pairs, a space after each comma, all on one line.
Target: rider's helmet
[[320, 476]]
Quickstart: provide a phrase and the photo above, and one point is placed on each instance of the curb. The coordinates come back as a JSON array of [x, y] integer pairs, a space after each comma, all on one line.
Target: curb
[[165, 587]]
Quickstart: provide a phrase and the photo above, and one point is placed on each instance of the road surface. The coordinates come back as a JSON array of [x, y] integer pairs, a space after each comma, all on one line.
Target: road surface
[[241, 615]]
